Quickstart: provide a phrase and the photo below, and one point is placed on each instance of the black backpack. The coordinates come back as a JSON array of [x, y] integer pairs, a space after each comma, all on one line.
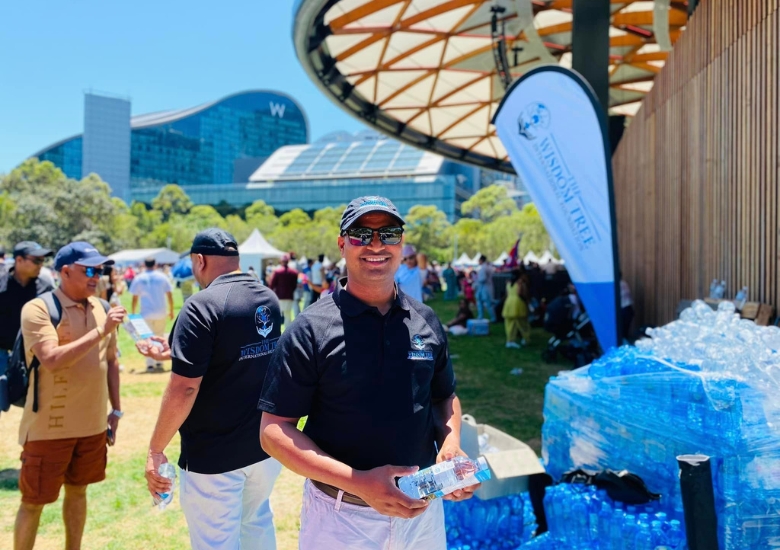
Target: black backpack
[[19, 372]]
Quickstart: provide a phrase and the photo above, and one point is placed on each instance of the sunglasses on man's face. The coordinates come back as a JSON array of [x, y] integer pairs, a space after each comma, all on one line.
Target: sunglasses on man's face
[[93, 271], [36, 260], [362, 236]]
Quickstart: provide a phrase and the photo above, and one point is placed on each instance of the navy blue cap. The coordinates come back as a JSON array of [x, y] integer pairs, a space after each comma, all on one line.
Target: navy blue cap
[[80, 253], [365, 205], [214, 242], [31, 248]]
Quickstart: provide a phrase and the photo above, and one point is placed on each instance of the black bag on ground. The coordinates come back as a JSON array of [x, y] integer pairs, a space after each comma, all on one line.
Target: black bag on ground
[[19, 372], [621, 486]]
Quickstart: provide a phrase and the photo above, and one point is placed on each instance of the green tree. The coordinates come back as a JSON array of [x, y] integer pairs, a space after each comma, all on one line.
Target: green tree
[[428, 230], [203, 216], [489, 204], [237, 227], [535, 236], [261, 216], [171, 200], [468, 233], [54, 210]]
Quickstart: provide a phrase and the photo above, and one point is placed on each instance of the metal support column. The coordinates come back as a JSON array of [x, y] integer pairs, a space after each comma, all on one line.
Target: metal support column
[[590, 45]]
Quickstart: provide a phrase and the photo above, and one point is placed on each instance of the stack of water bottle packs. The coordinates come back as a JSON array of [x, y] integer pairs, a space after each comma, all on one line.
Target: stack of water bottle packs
[[579, 517], [708, 383], [498, 523]]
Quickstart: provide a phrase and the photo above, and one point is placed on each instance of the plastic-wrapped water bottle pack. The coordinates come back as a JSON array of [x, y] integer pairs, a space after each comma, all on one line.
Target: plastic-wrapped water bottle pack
[[498, 523], [580, 517], [707, 383]]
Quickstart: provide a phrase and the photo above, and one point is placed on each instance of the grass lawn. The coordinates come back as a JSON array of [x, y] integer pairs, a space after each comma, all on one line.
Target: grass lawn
[[120, 511]]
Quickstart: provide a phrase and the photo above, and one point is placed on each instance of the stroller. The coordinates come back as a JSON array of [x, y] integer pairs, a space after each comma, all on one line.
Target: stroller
[[571, 338]]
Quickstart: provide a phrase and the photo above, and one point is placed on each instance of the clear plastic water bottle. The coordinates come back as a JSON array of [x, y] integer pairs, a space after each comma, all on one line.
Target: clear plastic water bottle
[[741, 297], [168, 471], [714, 288], [629, 532], [675, 537], [444, 478]]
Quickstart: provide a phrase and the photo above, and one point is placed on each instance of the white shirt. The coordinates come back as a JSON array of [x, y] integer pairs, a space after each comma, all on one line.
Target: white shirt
[[410, 281], [151, 287]]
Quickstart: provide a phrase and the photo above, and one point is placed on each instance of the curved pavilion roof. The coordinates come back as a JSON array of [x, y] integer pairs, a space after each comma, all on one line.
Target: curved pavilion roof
[[423, 70]]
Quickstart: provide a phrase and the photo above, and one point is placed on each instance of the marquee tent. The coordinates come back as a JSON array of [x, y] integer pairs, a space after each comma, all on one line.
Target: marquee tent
[[463, 261], [530, 257], [256, 249], [547, 257], [500, 260], [136, 256]]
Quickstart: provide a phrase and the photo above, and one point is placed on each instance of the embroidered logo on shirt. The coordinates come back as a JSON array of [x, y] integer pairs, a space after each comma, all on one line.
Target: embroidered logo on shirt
[[258, 349], [263, 321], [419, 353]]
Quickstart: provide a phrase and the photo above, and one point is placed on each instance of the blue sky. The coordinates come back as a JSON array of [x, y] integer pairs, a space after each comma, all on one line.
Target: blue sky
[[162, 54]]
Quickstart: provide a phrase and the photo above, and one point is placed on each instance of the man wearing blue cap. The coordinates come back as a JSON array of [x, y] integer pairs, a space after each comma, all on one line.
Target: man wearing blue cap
[[64, 438], [370, 367]]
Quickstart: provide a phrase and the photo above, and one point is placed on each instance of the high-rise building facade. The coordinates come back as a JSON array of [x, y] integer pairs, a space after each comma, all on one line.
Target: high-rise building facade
[[106, 141], [221, 142]]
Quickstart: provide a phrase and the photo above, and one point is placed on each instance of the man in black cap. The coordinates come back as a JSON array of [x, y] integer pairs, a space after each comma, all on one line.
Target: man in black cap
[[18, 286], [64, 439], [220, 348], [370, 367]]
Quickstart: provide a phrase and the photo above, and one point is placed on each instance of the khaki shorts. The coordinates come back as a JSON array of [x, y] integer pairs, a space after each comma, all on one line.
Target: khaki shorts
[[47, 464]]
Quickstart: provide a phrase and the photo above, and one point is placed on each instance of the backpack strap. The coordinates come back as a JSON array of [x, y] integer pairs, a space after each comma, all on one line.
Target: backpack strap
[[54, 307]]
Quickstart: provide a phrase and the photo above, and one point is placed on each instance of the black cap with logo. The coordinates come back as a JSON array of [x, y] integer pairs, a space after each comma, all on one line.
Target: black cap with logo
[[365, 205], [214, 242]]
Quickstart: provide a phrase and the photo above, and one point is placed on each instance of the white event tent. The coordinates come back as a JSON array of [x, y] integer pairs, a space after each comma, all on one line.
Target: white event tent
[[500, 260], [463, 261], [136, 256], [530, 257], [256, 249]]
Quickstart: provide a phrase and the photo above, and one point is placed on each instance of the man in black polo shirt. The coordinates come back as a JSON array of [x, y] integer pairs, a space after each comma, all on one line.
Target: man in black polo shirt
[[19, 285], [371, 369], [220, 347]]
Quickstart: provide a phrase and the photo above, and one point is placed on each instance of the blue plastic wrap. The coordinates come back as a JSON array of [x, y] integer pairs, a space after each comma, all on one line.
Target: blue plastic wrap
[[476, 524], [707, 384]]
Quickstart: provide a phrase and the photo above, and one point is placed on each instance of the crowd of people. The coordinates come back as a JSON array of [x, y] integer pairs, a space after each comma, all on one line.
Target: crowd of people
[[367, 363], [363, 358]]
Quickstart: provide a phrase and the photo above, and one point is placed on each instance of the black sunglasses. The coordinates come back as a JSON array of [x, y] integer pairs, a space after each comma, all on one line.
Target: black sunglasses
[[362, 236], [37, 260], [93, 271]]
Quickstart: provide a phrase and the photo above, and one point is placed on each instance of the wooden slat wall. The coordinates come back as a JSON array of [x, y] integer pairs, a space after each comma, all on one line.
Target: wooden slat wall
[[696, 172]]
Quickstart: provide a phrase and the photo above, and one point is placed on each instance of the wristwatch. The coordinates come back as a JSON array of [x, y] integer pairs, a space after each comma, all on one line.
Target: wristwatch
[[117, 413]]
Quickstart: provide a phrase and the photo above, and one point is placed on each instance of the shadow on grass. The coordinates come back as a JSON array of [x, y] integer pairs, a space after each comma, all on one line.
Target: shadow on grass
[[9, 479]]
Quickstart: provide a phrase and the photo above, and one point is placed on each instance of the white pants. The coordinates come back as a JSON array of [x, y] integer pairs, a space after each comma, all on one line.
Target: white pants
[[326, 525], [158, 329], [286, 306], [231, 511]]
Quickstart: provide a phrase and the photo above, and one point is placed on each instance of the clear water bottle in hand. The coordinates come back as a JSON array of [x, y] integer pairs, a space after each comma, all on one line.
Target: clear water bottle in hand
[[168, 471], [442, 479]]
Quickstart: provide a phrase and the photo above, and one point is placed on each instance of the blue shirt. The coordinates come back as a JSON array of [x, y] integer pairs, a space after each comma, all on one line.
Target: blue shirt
[[410, 281], [151, 287]]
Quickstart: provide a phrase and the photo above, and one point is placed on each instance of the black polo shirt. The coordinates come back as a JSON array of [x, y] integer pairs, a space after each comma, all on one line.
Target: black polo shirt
[[225, 333], [366, 381], [12, 297]]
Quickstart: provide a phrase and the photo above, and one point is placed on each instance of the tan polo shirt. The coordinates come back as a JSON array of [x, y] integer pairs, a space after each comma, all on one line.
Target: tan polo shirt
[[72, 402]]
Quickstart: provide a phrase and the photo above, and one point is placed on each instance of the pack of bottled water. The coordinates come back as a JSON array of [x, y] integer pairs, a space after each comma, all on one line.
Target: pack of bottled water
[[497, 523], [707, 383], [583, 518]]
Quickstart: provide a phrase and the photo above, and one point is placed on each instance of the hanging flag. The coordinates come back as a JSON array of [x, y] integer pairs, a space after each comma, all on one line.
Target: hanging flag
[[555, 132], [513, 259]]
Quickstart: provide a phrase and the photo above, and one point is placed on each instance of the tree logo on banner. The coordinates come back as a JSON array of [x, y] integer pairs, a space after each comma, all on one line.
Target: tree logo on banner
[[535, 117]]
